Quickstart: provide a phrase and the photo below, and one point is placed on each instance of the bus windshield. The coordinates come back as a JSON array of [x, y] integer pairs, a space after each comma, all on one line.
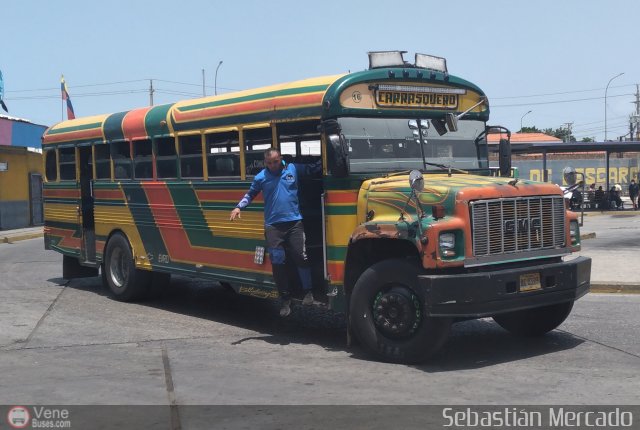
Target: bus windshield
[[389, 144]]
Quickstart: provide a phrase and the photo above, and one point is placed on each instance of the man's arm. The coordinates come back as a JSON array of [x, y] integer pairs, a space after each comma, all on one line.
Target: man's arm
[[254, 190]]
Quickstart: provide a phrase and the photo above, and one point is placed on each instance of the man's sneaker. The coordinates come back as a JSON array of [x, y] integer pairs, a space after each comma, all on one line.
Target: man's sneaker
[[285, 309], [308, 299]]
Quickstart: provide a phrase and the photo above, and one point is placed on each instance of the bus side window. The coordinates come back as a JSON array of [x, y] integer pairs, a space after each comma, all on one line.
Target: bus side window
[[166, 158], [103, 161], [51, 165], [223, 154], [301, 140], [191, 156], [256, 141], [142, 159], [67, 164], [121, 156]]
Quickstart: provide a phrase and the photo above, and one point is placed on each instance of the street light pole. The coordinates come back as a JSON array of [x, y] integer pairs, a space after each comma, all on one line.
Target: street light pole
[[605, 104], [522, 119], [215, 79]]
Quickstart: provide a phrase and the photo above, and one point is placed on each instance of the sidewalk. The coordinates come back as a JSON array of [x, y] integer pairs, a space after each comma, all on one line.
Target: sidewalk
[[10, 236]]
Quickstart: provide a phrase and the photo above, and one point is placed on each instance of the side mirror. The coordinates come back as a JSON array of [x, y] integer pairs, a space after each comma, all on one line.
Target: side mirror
[[569, 174], [416, 181], [338, 155], [504, 157]]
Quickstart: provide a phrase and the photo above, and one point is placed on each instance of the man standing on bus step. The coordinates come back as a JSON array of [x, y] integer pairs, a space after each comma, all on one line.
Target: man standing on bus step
[[283, 227]]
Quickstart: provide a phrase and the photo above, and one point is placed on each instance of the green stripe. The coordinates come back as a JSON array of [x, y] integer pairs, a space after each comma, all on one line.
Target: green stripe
[[75, 128], [253, 97], [337, 253], [113, 126], [341, 210], [155, 121], [59, 200]]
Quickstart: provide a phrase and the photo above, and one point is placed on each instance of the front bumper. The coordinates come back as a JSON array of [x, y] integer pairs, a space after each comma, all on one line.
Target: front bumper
[[489, 293]]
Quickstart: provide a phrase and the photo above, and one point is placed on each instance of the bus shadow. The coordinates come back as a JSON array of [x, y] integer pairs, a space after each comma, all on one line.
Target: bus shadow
[[471, 345], [483, 343]]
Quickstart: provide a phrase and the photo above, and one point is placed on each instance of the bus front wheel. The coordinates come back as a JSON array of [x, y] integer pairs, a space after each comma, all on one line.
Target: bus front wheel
[[386, 313], [125, 282]]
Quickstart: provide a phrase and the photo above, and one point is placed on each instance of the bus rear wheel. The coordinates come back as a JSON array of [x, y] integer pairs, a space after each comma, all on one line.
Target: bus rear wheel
[[387, 316], [125, 282], [536, 321]]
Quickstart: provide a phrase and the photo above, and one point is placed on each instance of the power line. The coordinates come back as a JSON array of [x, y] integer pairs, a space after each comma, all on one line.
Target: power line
[[77, 86], [560, 101], [558, 93]]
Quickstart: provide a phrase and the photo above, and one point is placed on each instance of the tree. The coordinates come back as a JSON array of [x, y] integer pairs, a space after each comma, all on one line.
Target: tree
[[587, 139], [533, 129]]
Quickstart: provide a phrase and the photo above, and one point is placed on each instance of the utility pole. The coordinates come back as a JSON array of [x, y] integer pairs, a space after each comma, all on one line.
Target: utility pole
[[151, 91], [203, 93], [636, 117], [568, 124]]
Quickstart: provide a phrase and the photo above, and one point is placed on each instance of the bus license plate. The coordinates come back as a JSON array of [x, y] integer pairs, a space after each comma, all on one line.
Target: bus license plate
[[530, 282]]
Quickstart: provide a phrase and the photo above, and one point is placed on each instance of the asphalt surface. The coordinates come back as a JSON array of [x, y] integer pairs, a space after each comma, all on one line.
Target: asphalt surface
[[69, 343]]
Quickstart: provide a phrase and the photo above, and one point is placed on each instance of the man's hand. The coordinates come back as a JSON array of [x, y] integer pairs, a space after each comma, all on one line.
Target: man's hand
[[235, 214]]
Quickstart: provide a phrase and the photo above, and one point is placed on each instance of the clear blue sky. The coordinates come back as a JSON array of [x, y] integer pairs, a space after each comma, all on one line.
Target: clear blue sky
[[513, 50]]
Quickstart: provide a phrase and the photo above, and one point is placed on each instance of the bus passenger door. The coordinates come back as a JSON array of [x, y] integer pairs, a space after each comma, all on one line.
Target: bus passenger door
[[85, 212]]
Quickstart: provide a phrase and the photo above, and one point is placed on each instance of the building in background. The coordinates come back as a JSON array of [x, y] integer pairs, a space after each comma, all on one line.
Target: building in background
[[21, 173]]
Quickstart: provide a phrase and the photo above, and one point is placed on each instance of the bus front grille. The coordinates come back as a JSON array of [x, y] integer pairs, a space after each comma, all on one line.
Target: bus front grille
[[514, 225]]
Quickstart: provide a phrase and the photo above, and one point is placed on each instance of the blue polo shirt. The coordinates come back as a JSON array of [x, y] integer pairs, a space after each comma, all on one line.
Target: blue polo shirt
[[280, 192]]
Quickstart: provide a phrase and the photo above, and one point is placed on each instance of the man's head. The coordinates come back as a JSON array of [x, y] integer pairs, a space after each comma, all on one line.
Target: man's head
[[633, 181], [273, 160]]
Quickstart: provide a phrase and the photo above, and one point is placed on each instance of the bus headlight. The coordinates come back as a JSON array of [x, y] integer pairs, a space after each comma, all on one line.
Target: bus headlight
[[448, 244], [574, 232]]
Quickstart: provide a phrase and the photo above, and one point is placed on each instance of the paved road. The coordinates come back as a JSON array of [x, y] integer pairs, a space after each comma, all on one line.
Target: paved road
[[69, 343], [616, 249]]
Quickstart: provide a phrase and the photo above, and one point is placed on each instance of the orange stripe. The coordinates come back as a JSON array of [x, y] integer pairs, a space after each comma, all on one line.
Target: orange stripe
[[248, 107], [73, 135]]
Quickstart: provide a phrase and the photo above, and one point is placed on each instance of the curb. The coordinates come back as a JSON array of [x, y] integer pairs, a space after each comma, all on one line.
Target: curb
[[19, 237], [615, 287], [588, 236]]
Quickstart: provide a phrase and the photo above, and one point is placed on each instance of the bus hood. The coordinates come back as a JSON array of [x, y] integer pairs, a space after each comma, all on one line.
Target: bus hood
[[385, 198]]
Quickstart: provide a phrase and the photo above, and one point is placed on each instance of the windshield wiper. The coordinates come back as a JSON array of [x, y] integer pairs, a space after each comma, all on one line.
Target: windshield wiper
[[446, 167]]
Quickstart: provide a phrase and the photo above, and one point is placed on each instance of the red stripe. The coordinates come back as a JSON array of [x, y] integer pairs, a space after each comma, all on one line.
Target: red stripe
[[177, 241], [262, 105], [336, 270], [48, 192], [68, 241], [133, 123], [108, 194], [341, 198]]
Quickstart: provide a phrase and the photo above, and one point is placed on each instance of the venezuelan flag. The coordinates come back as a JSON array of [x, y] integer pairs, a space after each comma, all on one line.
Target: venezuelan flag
[[65, 96]]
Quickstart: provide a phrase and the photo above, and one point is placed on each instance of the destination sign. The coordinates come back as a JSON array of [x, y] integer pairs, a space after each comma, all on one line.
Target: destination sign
[[406, 96]]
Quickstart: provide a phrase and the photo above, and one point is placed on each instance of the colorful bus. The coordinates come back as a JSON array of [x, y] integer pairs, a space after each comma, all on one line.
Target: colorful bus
[[407, 229]]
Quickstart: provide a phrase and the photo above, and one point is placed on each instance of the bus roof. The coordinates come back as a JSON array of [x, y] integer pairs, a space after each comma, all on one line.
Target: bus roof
[[313, 98]]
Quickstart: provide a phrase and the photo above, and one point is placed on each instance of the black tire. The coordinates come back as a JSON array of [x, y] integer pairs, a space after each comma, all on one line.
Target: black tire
[[536, 321], [125, 282], [387, 316]]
